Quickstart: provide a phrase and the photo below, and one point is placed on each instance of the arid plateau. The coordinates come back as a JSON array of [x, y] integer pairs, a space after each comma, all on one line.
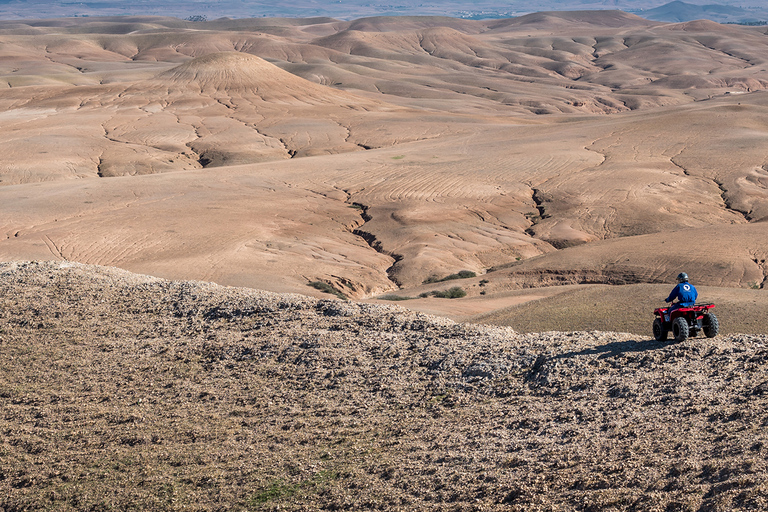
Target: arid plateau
[[376, 154], [284, 180]]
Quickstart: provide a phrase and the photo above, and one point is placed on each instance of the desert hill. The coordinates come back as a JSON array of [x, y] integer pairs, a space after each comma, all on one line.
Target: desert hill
[[373, 155], [410, 24], [240, 71], [564, 20], [120, 390], [677, 11]]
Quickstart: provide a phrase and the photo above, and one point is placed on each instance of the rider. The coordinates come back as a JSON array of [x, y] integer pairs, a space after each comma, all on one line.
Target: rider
[[684, 292]]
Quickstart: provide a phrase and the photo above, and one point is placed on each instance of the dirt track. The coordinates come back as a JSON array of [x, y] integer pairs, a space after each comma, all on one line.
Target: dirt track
[[130, 393]]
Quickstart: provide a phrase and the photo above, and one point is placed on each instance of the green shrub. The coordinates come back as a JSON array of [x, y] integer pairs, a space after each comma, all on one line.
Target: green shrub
[[452, 293], [462, 274], [395, 297]]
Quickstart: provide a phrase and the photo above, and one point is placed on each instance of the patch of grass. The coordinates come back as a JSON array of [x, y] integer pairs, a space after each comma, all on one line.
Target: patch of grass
[[398, 157], [452, 293], [277, 490], [327, 288], [324, 476], [755, 285], [462, 274]]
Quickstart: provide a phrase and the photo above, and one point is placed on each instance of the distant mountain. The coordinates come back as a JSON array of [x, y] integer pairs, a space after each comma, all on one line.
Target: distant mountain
[[737, 11], [677, 11]]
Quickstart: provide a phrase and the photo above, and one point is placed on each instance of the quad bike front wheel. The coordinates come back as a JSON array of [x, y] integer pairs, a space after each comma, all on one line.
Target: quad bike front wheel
[[711, 325], [680, 329], [659, 332]]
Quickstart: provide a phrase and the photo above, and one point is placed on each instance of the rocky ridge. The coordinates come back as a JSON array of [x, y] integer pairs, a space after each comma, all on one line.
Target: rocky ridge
[[129, 392]]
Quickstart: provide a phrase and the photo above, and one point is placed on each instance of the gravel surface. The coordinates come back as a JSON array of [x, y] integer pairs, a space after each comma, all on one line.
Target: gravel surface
[[126, 392]]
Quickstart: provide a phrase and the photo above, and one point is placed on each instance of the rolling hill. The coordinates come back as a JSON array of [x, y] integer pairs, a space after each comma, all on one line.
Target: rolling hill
[[375, 154]]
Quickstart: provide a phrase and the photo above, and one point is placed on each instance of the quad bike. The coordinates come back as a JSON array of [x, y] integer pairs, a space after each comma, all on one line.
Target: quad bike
[[684, 322]]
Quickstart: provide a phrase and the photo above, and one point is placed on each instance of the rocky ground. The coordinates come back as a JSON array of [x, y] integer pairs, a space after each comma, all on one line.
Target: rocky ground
[[124, 392]]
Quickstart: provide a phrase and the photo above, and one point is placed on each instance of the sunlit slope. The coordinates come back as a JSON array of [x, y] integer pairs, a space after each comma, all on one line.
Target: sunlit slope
[[611, 179], [231, 227], [219, 109], [378, 153], [720, 255], [372, 219], [98, 89], [579, 62]]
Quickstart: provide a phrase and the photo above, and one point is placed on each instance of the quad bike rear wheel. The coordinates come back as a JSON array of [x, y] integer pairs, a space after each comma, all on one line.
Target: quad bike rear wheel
[[711, 325], [659, 332], [680, 329]]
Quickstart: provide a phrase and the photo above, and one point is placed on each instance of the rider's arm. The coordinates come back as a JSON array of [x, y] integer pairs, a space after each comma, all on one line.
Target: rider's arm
[[673, 295]]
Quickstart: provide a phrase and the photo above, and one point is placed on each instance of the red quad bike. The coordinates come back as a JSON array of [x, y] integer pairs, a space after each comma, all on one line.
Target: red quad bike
[[685, 321]]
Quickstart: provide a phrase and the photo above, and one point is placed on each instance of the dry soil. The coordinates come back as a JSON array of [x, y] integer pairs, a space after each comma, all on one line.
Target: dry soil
[[126, 392]]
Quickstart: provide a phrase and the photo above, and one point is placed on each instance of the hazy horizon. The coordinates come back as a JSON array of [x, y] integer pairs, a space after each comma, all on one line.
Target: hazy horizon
[[732, 12]]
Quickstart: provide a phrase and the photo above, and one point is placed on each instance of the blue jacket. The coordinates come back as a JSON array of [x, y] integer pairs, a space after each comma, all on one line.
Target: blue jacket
[[685, 294]]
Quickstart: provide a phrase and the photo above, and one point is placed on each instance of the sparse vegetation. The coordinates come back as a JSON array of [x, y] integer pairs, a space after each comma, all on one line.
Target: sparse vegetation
[[533, 217], [327, 288], [278, 490], [462, 274], [452, 293], [395, 297], [273, 492]]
